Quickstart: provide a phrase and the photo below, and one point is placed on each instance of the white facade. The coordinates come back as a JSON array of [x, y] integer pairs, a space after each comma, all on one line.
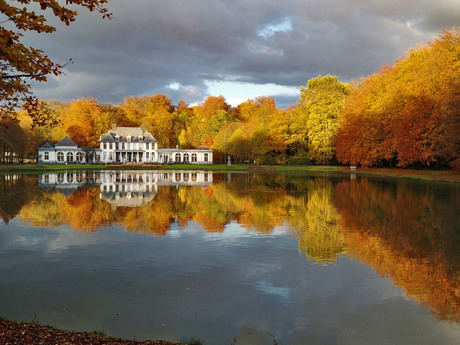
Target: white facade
[[66, 152], [137, 145], [186, 156], [127, 188]]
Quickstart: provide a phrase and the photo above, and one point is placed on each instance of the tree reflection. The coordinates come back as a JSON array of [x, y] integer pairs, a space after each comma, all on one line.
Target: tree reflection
[[404, 229], [16, 190], [409, 232]]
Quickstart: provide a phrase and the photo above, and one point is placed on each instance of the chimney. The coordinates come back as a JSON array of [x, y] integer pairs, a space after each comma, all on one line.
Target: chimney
[[114, 126]]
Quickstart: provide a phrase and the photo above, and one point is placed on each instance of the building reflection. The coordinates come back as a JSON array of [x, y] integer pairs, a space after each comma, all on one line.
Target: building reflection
[[124, 188]]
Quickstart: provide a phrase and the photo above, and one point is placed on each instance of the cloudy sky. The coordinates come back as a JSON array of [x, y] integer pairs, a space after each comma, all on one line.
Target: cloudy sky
[[190, 49]]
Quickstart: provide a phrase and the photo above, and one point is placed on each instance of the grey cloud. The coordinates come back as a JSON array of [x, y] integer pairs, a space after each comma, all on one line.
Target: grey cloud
[[150, 44]]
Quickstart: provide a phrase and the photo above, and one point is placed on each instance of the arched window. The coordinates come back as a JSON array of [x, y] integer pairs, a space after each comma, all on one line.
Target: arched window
[[70, 177], [185, 177], [177, 157], [194, 158], [69, 157], [186, 158], [60, 157], [60, 177], [79, 157]]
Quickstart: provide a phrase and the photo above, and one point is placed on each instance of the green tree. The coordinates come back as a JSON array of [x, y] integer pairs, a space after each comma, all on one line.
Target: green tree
[[321, 101]]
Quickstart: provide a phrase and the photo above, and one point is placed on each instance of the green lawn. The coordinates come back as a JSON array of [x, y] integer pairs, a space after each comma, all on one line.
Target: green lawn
[[443, 175], [48, 167]]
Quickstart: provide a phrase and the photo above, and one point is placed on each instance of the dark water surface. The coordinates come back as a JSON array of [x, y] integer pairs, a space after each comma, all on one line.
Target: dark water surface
[[246, 257]]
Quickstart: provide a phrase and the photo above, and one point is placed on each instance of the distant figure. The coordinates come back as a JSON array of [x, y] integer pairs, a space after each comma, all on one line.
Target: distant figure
[[229, 162]]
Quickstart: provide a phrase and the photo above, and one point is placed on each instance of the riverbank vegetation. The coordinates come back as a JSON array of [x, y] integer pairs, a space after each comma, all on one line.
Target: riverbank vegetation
[[406, 115]]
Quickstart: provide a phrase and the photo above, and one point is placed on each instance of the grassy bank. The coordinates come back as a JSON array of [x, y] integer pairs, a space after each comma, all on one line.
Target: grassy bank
[[438, 175]]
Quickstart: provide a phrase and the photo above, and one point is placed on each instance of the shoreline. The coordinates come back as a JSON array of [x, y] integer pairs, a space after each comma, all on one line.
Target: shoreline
[[16, 332], [422, 174]]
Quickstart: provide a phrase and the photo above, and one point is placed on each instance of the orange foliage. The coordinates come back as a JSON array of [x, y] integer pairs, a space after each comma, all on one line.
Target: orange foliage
[[19, 63], [402, 232], [408, 112]]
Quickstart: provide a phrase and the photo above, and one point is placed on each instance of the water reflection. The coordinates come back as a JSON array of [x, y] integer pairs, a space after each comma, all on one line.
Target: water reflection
[[405, 230], [408, 231]]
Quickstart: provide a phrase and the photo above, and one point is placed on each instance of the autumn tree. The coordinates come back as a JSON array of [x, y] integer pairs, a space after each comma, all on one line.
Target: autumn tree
[[208, 117], [12, 142], [322, 100], [159, 119], [407, 114], [84, 121], [50, 131], [19, 64]]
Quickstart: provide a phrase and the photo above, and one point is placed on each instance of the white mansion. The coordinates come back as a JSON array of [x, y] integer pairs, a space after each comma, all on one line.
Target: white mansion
[[122, 145], [134, 144]]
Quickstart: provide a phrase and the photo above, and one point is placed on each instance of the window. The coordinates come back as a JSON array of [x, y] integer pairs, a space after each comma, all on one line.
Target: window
[[185, 177], [123, 146], [60, 157], [47, 156], [147, 146], [194, 158], [110, 146], [60, 177], [79, 157], [186, 158], [105, 146], [147, 156], [177, 157], [205, 157], [69, 157]]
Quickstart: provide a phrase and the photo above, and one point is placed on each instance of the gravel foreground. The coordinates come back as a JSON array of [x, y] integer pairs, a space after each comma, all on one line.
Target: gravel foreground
[[13, 332]]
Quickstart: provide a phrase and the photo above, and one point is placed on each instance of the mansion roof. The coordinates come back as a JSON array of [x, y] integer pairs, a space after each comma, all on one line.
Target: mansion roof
[[66, 141], [47, 146], [128, 134]]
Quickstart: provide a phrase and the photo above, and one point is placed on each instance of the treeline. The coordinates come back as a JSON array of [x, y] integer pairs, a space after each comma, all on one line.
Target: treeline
[[408, 114]]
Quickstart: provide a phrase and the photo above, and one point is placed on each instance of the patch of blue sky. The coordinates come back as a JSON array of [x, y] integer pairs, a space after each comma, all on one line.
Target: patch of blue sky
[[236, 92], [268, 30]]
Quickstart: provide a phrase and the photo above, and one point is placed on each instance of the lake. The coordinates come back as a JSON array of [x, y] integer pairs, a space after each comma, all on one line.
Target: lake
[[233, 258]]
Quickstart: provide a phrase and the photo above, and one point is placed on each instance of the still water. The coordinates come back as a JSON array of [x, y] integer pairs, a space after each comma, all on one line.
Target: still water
[[245, 258]]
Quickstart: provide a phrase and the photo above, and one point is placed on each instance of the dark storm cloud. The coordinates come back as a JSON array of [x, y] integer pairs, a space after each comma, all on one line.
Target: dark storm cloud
[[150, 45]]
